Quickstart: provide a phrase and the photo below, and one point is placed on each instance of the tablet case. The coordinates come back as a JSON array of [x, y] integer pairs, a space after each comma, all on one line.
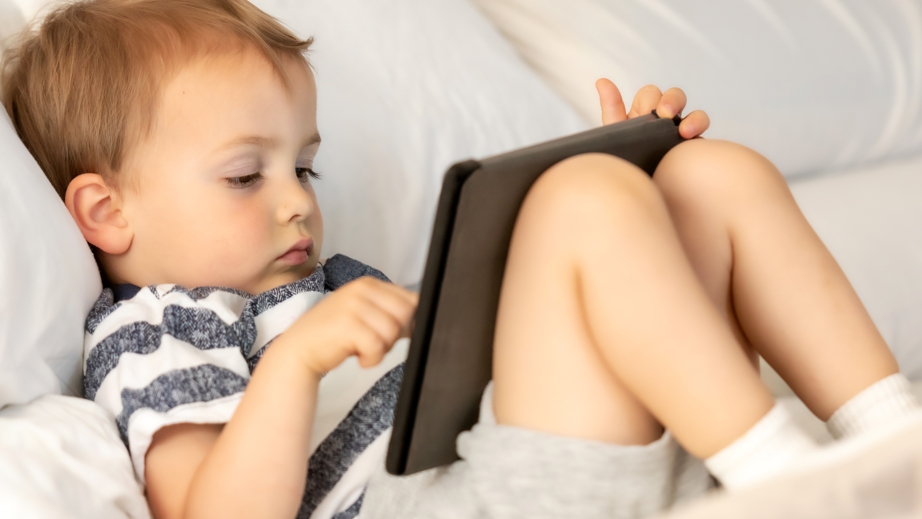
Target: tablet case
[[451, 350]]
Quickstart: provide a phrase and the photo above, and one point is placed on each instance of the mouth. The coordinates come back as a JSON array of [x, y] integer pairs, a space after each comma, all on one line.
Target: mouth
[[298, 253]]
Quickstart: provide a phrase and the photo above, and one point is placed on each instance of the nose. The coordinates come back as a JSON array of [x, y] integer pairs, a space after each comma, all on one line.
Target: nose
[[295, 203]]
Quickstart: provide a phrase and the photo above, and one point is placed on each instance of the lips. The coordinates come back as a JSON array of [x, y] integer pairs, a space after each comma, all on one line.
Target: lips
[[298, 253]]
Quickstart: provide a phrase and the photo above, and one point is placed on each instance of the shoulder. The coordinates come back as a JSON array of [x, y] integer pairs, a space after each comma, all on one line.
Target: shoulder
[[340, 270], [165, 355], [206, 319]]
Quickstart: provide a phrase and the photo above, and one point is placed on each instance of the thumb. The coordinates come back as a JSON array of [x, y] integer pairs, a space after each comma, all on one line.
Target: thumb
[[613, 110]]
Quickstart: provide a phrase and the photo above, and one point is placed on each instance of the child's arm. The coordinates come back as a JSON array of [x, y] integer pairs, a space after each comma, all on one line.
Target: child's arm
[[256, 464]]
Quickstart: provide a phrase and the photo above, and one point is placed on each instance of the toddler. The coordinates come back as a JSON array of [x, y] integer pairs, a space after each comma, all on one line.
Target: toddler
[[181, 136]]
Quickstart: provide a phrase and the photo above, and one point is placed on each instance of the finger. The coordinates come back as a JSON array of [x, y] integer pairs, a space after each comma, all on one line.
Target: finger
[[395, 300], [671, 104], [611, 102], [369, 347], [645, 101], [694, 124], [409, 296], [368, 283], [384, 324]]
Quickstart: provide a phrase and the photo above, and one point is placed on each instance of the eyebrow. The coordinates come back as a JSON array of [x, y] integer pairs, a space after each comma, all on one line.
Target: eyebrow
[[265, 142]]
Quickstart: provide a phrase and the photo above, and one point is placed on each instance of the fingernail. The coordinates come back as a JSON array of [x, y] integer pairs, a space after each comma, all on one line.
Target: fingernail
[[690, 130], [668, 112]]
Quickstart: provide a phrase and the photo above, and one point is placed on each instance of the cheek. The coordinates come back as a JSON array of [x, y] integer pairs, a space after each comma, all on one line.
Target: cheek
[[316, 223], [229, 229], [244, 224]]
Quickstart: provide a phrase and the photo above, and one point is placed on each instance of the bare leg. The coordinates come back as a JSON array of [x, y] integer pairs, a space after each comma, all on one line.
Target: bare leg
[[772, 278], [603, 323]]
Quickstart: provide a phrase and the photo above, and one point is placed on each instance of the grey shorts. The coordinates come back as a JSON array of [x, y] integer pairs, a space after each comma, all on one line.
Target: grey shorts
[[507, 472]]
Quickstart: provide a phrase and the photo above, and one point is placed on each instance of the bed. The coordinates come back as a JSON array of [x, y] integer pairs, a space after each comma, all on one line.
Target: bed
[[831, 91]]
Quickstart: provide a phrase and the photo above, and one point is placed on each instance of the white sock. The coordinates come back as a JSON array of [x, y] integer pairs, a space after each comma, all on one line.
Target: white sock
[[768, 447], [887, 400]]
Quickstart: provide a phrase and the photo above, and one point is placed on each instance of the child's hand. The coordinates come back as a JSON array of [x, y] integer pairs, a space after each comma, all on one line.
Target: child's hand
[[363, 318], [648, 98]]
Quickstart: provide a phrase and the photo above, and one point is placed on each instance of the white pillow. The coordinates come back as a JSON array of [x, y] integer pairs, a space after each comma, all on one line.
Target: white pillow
[[405, 89], [48, 281], [30, 8], [810, 85], [62, 457], [11, 21]]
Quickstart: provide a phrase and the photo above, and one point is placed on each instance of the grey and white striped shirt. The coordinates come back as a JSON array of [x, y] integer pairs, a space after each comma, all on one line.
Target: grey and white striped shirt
[[162, 355]]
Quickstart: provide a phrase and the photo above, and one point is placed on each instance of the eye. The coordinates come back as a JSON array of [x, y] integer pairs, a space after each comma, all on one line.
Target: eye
[[243, 182], [305, 173]]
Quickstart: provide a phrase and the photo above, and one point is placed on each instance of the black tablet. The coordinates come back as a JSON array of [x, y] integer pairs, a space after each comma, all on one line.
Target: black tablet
[[451, 350]]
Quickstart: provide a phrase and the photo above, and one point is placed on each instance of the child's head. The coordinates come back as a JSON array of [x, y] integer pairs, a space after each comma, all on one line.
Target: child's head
[[181, 135]]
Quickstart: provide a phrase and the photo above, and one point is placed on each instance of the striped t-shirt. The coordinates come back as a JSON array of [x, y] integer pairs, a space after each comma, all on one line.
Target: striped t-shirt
[[162, 355]]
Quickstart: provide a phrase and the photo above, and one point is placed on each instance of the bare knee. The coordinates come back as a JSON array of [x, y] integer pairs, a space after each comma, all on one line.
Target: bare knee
[[549, 374], [713, 173], [580, 189]]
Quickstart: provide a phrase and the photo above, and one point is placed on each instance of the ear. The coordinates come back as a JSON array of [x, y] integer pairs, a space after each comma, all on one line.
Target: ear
[[97, 209]]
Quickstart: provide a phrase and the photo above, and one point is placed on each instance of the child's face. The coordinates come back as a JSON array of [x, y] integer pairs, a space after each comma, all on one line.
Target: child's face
[[223, 195]]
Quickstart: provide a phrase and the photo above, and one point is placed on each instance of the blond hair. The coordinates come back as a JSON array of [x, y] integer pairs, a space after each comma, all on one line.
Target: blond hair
[[88, 79]]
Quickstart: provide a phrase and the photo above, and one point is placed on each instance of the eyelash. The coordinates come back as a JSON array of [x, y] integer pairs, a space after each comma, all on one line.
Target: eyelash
[[310, 173], [248, 180], [244, 181]]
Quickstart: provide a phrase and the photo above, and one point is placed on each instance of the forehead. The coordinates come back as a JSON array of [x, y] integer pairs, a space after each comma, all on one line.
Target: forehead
[[244, 74], [218, 97], [215, 101]]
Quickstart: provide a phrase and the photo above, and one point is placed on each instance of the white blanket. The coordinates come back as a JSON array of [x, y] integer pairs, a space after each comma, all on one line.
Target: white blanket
[[61, 457], [876, 476]]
